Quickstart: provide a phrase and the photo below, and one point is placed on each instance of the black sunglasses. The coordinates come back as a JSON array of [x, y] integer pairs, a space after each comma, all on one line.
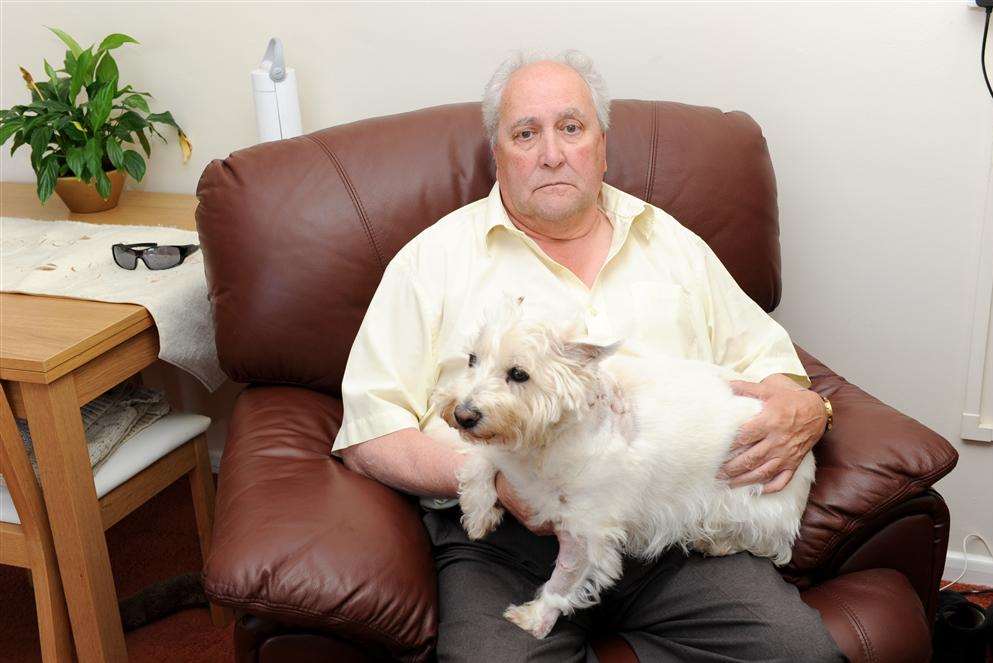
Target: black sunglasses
[[153, 255]]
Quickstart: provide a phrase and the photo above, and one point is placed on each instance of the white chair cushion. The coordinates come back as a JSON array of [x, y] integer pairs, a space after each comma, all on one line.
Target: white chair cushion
[[134, 455]]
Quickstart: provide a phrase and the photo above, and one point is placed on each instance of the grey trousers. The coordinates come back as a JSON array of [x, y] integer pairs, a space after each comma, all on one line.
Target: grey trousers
[[680, 608]]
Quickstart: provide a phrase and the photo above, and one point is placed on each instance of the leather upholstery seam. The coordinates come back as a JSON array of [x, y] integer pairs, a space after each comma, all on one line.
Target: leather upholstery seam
[[356, 201], [651, 161], [287, 609], [925, 482], [856, 622]]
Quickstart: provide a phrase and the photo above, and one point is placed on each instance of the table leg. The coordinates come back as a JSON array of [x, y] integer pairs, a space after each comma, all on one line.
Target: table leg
[[74, 513]]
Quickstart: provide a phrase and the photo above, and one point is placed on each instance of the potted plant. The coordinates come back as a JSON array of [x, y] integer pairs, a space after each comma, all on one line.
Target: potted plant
[[79, 149]]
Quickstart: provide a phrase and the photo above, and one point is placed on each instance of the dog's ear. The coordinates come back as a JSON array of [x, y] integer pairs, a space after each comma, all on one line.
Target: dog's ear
[[590, 353]]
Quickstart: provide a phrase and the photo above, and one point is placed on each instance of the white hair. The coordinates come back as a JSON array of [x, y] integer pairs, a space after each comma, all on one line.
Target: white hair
[[579, 62]]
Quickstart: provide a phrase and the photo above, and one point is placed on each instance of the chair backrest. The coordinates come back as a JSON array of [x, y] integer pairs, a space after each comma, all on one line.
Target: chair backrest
[[296, 233]]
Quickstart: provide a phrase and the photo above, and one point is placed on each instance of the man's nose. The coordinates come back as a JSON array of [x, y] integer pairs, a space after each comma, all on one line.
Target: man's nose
[[552, 155], [467, 416]]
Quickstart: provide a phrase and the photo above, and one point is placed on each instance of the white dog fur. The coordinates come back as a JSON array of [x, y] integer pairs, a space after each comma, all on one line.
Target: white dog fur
[[619, 453]]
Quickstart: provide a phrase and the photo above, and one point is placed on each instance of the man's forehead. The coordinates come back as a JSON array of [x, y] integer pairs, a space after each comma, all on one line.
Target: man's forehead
[[569, 113]]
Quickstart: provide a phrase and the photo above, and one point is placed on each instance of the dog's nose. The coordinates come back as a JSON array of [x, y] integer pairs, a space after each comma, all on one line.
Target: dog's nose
[[467, 417]]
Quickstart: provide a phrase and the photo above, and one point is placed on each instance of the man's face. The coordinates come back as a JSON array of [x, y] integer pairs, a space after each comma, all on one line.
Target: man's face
[[550, 151]]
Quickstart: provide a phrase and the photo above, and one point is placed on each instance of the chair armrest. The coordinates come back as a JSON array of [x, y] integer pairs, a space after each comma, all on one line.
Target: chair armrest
[[301, 540], [873, 458]]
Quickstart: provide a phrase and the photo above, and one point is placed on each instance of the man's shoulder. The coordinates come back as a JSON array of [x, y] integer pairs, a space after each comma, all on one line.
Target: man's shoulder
[[451, 235]]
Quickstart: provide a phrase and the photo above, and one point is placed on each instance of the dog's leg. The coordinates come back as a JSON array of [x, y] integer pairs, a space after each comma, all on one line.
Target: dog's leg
[[582, 569], [478, 496]]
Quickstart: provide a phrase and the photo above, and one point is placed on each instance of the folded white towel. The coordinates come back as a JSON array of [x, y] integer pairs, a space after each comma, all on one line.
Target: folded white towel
[[73, 259]]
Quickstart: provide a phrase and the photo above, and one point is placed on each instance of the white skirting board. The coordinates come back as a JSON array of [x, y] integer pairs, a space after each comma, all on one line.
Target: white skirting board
[[980, 571]]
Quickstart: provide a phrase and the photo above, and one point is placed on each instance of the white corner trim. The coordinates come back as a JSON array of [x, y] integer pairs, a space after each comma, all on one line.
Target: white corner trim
[[215, 460], [981, 341], [980, 571]]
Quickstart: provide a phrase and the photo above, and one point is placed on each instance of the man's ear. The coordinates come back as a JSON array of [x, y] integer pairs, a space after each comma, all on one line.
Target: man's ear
[[589, 353]]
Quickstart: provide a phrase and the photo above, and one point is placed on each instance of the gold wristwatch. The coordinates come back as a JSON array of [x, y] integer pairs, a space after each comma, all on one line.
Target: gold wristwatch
[[829, 411]]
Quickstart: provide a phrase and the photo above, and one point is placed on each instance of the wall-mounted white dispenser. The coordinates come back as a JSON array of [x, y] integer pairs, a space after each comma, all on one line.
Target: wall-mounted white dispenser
[[277, 107]]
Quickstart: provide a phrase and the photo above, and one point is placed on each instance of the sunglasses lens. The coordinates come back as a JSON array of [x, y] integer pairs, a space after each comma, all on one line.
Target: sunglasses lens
[[161, 257], [124, 258]]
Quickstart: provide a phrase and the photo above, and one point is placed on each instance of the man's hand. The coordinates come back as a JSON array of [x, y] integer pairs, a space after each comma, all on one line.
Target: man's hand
[[770, 445], [512, 503]]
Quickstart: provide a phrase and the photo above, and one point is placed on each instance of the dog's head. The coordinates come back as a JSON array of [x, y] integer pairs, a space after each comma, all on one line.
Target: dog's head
[[521, 378]]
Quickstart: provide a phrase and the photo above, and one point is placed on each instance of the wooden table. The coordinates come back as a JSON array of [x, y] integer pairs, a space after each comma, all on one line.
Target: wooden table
[[55, 355]]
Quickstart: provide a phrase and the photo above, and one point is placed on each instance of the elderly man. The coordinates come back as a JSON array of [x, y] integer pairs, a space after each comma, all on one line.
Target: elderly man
[[553, 230]]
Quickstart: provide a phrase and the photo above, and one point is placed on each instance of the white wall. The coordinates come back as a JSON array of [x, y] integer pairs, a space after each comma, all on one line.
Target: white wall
[[880, 129]]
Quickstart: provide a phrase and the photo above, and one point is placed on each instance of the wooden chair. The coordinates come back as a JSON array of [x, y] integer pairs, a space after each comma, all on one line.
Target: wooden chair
[[140, 468]]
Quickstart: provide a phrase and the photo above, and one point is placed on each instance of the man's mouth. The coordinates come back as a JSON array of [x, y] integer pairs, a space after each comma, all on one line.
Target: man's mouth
[[550, 184]]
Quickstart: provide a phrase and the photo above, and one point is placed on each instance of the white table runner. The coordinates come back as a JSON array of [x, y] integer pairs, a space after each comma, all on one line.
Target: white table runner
[[73, 259]]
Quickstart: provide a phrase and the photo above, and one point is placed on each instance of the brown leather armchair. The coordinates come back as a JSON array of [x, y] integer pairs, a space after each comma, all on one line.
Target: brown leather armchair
[[326, 565]]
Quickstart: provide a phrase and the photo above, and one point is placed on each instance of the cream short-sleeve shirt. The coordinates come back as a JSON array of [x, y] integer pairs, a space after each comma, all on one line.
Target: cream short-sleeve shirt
[[661, 289]]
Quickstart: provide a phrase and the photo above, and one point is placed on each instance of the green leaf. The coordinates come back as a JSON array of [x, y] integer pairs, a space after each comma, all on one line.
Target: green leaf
[[56, 106], [8, 129], [76, 161], [136, 101], [40, 139], [107, 69], [103, 184], [116, 40], [100, 105], [70, 63], [74, 132], [19, 139], [50, 71], [81, 75], [69, 41], [134, 165], [164, 118], [115, 154], [47, 176], [144, 143], [131, 120], [93, 153]]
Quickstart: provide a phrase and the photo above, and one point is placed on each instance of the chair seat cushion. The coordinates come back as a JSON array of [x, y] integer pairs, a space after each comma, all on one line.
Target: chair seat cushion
[[873, 615], [133, 455]]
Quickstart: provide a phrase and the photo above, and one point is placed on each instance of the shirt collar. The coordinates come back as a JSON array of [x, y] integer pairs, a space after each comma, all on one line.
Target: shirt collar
[[623, 209]]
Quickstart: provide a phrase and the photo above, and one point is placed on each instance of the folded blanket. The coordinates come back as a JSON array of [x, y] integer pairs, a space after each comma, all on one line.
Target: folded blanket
[[109, 420], [73, 259]]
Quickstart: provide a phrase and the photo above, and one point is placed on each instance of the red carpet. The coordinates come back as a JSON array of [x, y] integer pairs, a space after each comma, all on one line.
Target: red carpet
[[155, 542]]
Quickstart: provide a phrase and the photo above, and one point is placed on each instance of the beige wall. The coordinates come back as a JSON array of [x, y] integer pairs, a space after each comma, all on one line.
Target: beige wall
[[879, 125]]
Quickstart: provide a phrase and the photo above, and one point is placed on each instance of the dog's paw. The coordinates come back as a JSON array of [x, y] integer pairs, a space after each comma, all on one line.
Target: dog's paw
[[535, 617], [478, 524], [715, 548]]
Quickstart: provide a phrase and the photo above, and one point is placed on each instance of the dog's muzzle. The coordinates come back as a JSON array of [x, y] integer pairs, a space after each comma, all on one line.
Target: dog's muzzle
[[467, 417]]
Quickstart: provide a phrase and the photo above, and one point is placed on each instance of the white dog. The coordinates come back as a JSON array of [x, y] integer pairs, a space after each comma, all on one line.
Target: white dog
[[620, 454]]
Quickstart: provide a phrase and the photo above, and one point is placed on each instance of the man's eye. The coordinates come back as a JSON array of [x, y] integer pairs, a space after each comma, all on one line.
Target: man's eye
[[572, 128], [517, 375], [526, 134], [472, 360]]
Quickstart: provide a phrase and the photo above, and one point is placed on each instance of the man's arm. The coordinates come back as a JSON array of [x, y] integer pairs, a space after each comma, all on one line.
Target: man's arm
[[412, 462], [409, 461]]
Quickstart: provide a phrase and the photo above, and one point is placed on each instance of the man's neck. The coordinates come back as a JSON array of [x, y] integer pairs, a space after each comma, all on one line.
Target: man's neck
[[558, 233]]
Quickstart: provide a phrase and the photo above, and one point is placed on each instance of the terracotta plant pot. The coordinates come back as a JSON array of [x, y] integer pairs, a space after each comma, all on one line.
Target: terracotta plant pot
[[82, 197]]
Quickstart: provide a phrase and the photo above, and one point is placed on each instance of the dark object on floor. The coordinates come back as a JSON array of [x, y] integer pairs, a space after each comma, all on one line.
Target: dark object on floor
[[962, 631], [161, 600]]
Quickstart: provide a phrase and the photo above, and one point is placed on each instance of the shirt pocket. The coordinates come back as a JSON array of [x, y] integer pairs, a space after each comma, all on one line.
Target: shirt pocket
[[663, 318]]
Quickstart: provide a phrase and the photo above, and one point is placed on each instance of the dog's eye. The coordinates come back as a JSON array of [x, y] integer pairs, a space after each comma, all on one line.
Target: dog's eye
[[517, 375], [472, 360]]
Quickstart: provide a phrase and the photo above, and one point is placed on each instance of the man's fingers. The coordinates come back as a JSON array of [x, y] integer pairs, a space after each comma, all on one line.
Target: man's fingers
[[761, 474], [779, 482], [744, 388], [752, 458]]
